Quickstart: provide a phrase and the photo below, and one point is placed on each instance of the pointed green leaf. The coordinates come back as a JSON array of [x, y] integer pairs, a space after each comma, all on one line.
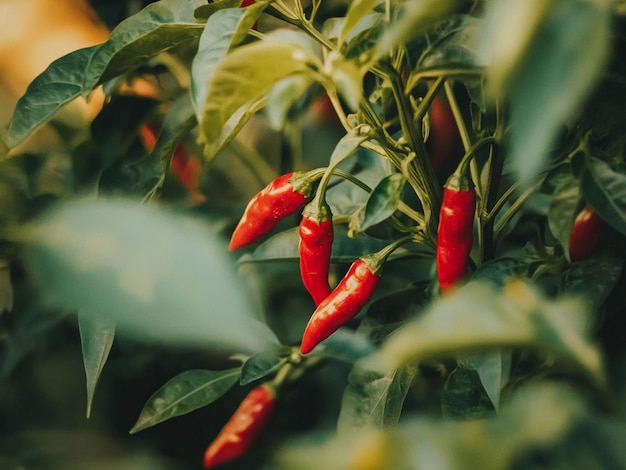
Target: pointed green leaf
[[158, 27], [158, 275], [55, 87], [262, 364], [348, 144], [605, 189], [186, 392], [358, 10], [244, 76], [372, 399], [383, 200], [96, 337]]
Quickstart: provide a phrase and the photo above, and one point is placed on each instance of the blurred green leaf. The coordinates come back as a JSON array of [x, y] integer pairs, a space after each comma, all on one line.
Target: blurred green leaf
[[262, 364], [564, 206], [559, 69], [453, 43], [383, 200], [477, 316], [96, 337], [415, 19], [464, 396], [500, 271], [158, 275], [346, 345], [186, 392], [358, 10], [242, 77], [160, 26], [50, 91], [372, 399], [605, 189]]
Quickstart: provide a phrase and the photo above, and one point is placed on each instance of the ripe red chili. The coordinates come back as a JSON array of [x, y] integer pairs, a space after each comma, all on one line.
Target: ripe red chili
[[344, 302], [455, 232], [243, 428], [444, 141], [280, 198], [585, 233], [316, 240]]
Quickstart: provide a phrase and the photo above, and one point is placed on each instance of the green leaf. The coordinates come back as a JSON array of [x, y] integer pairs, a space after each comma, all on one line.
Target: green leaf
[[186, 392], [372, 399], [245, 76], [603, 269], [348, 144], [464, 396], [493, 369], [160, 276], [605, 189], [346, 345], [500, 271], [383, 200], [158, 27], [262, 364], [55, 87], [204, 12], [563, 209], [415, 19], [477, 316], [283, 97], [560, 68], [96, 337], [358, 10], [215, 42]]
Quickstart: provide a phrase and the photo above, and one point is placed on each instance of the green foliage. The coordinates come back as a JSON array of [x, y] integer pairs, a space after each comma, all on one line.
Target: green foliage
[[512, 365]]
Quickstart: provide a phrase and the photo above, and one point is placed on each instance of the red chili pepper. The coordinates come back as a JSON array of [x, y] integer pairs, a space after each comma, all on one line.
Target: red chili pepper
[[443, 140], [316, 241], [280, 198], [243, 428], [456, 229], [344, 302], [585, 233]]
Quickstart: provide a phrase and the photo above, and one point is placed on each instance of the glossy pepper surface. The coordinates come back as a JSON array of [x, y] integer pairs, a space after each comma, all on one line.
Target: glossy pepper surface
[[281, 197], [343, 303], [585, 234], [315, 247], [243, 428], [455, 231]]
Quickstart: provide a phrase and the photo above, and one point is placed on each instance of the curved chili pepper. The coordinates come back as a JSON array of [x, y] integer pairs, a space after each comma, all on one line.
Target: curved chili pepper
[[243, 427], [344, 302], [316, 241], [280, 198], [455, 231], [585, 234]]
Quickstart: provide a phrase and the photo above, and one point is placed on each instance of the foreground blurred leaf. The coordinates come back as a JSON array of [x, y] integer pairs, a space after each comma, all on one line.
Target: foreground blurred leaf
[[96, 338], [372, 399], [186, 392], [158, 27], [546, 416], [55, 87], [159, 276], [478, 316], [562, 62]]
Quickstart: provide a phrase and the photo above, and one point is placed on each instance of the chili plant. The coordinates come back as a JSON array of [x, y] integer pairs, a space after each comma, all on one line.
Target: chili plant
[[415, 269]]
